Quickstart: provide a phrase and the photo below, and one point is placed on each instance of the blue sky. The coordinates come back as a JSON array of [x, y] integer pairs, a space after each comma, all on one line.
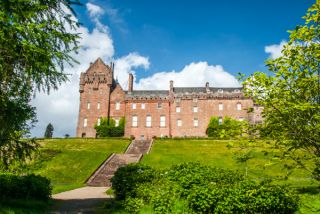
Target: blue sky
[[190, 42], [174, 33]]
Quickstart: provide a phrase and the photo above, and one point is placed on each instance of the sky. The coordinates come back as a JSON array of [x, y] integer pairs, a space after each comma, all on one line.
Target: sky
[[188, 41]]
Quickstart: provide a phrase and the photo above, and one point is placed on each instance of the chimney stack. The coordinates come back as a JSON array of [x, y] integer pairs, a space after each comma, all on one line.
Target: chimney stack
[[207, 87], [130, 85]]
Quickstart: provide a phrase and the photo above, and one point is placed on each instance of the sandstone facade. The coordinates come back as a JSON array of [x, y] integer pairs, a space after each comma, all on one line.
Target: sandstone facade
[[178, 111]]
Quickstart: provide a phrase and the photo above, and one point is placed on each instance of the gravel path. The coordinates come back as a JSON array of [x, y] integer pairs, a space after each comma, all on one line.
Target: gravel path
[[83, 200]]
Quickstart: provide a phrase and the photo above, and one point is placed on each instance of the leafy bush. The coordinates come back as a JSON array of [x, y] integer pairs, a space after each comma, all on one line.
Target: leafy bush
[[229, 128], [127, 178], [191, 174], [24, 187], [133, 205], [203, 189], [108, 128], [244, 197]]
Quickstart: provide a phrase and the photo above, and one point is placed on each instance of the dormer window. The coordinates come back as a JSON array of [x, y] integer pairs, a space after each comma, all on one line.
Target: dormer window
[[220, 91], [236, 90]]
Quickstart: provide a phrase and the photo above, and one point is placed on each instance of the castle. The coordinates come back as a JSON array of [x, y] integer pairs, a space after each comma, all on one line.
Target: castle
[[176, 112]]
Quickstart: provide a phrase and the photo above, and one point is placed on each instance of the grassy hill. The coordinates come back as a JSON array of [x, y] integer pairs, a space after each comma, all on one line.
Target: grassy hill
[[69, 162]]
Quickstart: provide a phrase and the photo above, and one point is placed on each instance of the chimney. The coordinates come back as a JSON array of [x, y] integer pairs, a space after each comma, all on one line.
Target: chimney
[[207, 87], [171, 94], [130, 85]]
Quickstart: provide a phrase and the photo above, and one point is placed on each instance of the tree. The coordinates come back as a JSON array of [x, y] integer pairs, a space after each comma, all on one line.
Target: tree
[[291, 94], [109, 128], [227, 129], [49, 131], [36, 40]]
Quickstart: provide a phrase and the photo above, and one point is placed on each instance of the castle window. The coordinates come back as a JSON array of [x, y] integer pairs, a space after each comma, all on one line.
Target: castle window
[[178, 109], [98, 106], [239, 106], [117, 105], [195, 109], [143, 106], [148, 121], [135, 121], [159, 105], [134, 106], [99, 121], [195, 122], [88, 105], [85, 122], [162, 121], [220, 106], [117, 122], [178, 100], [195, 100], [220, 120], [179, 122]]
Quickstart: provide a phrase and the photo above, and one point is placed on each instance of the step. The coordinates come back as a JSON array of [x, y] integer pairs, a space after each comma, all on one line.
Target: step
[[103, 175], [139, 147]]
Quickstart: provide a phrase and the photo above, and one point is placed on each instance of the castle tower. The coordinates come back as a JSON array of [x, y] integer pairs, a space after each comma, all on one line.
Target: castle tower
[[95, 88]]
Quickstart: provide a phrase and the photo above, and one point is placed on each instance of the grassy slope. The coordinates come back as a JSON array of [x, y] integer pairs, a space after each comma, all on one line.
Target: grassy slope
[[164, 153], [69, 162]]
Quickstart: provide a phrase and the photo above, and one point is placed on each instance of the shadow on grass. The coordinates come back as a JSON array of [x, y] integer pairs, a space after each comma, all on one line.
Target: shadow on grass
[[311, 190], [92, 205], [11, 206]]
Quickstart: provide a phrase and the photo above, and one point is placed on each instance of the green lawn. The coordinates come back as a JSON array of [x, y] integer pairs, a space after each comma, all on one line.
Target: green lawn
[[69, 162], [166, 152]]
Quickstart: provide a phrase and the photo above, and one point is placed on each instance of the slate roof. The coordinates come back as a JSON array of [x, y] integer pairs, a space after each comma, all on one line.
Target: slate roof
[[183, 90], [179, 91], [148, 93]]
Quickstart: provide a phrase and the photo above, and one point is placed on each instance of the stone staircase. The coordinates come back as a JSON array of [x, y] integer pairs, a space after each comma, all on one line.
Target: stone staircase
[[134, 153]]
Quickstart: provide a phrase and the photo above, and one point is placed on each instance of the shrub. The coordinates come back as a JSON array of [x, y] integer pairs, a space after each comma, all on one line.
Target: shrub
[[133, 205], [191, 174], [202, 189], [229, 128], [127, 178], [244, 197], [24, 187], [107, 128]]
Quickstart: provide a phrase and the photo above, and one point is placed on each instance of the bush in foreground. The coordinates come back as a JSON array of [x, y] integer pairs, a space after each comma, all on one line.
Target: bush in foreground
[[199, 188], [24, 187]]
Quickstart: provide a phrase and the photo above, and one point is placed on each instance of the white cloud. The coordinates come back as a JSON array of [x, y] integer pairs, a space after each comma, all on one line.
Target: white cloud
[[275, 50], [193, 75], [95, 13], [94, 10], [127, 64]]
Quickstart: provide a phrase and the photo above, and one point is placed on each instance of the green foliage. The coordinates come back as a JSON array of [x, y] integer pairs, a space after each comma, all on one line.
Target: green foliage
[[35, 46], [108, 128], [203, 189], [24, 187], [133, 205], [213, 129], [243, 197], [229, 128], [291, 93], [49, 131], [126, 179]]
